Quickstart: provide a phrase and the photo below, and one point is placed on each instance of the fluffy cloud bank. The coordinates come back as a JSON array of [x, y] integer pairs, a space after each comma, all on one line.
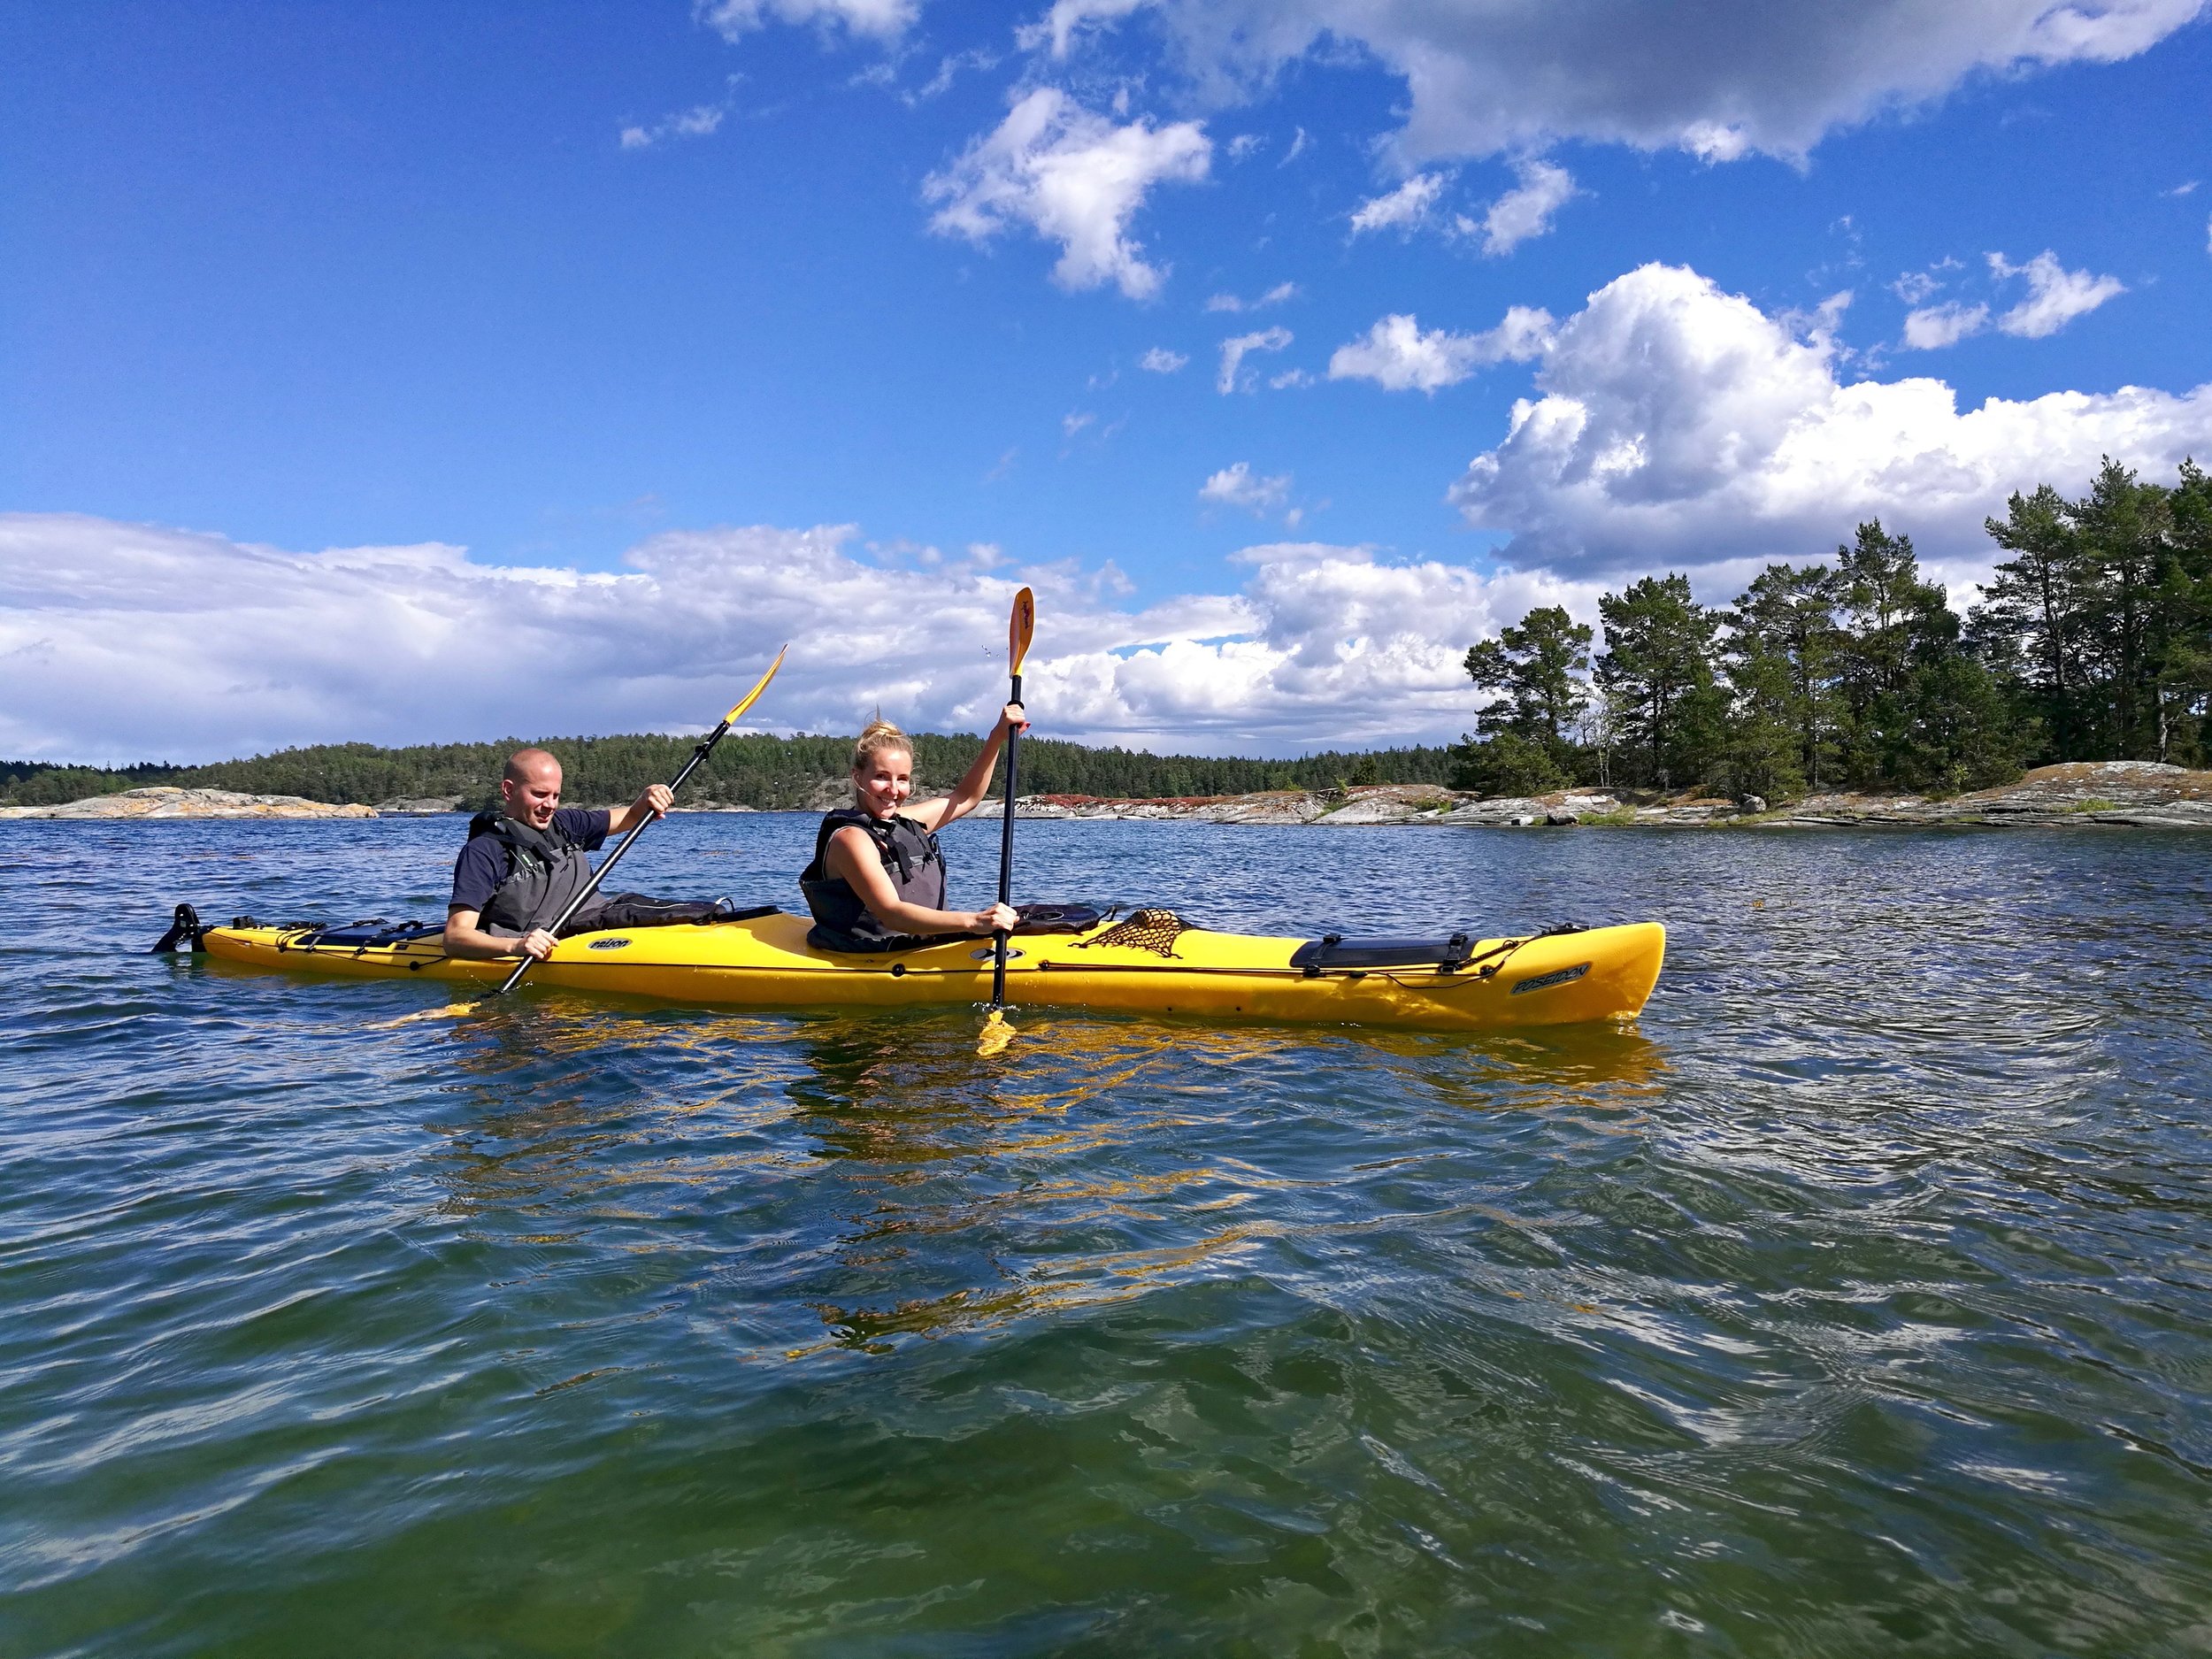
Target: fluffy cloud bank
[[1679, 424], [129, 641], [1721, 79]]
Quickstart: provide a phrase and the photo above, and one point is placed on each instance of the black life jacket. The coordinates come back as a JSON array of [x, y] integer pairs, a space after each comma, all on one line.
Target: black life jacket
[[545, 870], [911, 858]]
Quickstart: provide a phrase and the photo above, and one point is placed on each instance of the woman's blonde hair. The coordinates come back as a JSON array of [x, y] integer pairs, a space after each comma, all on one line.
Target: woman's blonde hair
[[879, 735]]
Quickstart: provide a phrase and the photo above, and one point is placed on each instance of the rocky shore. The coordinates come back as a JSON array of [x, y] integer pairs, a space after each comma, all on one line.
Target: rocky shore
[[164, 801], [2141, 793], [2116, 793]]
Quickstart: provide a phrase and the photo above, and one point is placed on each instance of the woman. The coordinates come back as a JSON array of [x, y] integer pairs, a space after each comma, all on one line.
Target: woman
[[877, 879]]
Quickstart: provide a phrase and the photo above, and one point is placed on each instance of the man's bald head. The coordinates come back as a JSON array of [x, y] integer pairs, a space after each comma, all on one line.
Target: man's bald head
[[527, 766], [530, 788]]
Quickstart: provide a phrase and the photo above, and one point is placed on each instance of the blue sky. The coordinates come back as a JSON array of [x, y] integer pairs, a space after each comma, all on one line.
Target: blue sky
[[344, 346]]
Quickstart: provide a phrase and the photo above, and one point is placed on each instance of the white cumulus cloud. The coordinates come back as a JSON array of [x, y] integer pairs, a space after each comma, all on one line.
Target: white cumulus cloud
[[245, 649], [2056, 298], [2056, 295], [698, 122], [1074, 178], [877, 19], [1341, 648], [1720, 80], [1397, 355], [1234, 351], [1677, 424], [1275, 295], [1236, 487], [1160, 360], [1931, 327], [1402, 209], [1525, 211]]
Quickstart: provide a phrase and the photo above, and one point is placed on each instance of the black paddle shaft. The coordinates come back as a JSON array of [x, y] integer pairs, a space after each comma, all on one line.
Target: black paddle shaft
[[1005, 858], [698, 759]]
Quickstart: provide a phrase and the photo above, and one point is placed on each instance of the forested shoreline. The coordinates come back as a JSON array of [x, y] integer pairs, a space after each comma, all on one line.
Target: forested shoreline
[[2092, 641], [756, 771]]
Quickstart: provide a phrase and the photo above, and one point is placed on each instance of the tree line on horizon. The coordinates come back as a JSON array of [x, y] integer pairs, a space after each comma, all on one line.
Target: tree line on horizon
[[758, 770], [2092, 641]]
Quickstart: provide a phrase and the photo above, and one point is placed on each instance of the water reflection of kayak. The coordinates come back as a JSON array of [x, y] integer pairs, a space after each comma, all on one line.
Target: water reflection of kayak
[[1148, 963]]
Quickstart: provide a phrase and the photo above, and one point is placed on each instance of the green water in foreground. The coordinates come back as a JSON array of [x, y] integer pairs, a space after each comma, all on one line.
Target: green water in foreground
[[1856, 1302]]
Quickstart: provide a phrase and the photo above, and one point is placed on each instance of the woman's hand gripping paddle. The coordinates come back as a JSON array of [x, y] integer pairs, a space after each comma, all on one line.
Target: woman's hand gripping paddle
[[997, 1032], [699, 754]]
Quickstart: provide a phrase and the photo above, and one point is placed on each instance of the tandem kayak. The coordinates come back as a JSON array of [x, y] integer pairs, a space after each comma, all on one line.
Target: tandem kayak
[[1148, 963]]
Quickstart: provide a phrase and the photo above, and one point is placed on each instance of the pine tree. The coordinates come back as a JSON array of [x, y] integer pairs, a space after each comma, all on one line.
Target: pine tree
[[2185, 605], [2032, 623], [1537, 669], [1885, 608], [1658, 666], [2123, 527], [1784, 645]]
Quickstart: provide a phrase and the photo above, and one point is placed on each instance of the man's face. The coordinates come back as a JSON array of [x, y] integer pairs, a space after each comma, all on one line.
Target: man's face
[[532, 797], [885, 781]]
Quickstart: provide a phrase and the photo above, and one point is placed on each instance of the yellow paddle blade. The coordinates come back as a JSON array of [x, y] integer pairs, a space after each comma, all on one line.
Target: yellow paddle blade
[[1018, 628], [452, 1010], [997, 1032], [753, 696]]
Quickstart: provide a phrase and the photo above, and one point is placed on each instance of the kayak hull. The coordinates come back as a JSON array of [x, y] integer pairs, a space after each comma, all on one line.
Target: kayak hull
[[1601, 973]]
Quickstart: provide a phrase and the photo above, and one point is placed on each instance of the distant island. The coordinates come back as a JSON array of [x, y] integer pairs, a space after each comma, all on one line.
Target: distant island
[[764, 772], [2120, 793]]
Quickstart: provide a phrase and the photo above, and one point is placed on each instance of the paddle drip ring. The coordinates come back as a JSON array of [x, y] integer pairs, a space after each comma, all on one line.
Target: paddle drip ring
[[1155, 931]]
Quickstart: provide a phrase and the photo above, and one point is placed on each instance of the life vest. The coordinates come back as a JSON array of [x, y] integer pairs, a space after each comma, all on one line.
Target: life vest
[[547, 870], [911, 858]]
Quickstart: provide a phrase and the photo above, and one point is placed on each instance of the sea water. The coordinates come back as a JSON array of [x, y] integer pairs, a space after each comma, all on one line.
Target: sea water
[[1858, 1301]]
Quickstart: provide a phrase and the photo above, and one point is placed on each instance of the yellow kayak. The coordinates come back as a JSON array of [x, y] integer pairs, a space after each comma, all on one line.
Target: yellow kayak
[[1151, 962]]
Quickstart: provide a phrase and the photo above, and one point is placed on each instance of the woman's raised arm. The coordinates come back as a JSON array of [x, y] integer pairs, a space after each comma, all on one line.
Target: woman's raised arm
[[975, 783]]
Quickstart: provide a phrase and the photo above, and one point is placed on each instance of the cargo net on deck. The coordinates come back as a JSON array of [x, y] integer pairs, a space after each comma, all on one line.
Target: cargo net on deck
[[1155, 931]]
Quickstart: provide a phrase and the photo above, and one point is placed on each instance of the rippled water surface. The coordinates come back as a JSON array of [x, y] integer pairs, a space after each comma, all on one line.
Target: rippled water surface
[[1858, 1302]]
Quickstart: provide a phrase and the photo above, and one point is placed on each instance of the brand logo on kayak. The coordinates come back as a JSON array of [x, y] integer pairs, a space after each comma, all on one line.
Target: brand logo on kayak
[[608, 944], [1545, 981]]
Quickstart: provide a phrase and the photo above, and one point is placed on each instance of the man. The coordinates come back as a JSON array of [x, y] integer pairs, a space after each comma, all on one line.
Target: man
[[525, 862]]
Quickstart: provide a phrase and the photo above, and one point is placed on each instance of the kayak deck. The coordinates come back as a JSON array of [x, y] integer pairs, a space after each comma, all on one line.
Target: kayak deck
[[1601, 973]]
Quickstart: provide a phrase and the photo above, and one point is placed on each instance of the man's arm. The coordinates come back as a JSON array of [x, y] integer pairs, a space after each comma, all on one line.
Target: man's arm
[[653, 803], [466, 938]]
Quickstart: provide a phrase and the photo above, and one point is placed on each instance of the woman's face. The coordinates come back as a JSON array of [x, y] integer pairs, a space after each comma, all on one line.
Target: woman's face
[[883, 781]]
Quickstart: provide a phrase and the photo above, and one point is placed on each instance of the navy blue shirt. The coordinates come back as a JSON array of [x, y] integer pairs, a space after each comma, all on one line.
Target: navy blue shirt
[[486, 861]]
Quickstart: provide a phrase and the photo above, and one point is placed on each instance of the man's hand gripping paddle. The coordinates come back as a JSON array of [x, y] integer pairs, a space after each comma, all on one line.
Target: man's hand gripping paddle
[[997, 1032], [698, 758]]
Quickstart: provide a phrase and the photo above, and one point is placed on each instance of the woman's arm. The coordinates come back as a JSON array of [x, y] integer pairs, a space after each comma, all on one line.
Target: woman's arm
[[976, 782], [853, 855]]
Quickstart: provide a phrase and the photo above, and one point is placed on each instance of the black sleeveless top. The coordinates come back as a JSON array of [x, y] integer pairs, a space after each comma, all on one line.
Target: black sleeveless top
[[911, 858]]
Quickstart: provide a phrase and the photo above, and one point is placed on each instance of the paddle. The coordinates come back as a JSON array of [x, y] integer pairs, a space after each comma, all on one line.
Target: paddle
[[698, 758], [997, 1032]]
